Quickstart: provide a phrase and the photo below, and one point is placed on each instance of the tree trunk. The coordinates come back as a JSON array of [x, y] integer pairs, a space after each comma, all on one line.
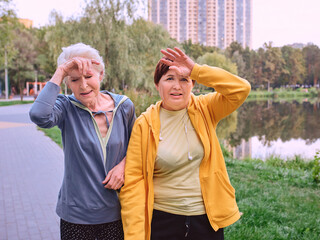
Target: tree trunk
[[21, 89]]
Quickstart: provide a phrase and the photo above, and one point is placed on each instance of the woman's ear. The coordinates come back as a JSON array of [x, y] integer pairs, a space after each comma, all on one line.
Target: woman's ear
[[101, 76], [157, 86]]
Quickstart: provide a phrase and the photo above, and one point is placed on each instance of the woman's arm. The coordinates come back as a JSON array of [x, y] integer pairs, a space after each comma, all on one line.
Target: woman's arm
[[115, 178], [48, 110], [231, 90]]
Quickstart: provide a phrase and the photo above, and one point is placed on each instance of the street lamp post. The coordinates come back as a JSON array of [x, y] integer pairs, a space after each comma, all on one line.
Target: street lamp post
[[6, 80]]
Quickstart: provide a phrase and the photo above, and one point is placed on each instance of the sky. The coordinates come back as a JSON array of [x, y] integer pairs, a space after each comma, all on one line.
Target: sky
[[278, 21]]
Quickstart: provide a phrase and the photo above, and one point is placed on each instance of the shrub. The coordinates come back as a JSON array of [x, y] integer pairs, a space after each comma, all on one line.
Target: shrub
[[316, 167], [141, 99], [226, 153]]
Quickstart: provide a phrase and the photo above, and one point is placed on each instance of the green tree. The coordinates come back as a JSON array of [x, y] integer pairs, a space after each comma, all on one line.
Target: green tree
[[312, 57], [146, 41], [294, 68], [103, 26], [107, 20], [44, 64], [22, 67], [273, 65], [218, 60], [8, 22], [195, 50], [235, 52]]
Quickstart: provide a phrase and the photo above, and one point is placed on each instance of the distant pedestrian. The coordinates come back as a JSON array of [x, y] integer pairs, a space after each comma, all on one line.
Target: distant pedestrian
[[95, 127], [13, 91]]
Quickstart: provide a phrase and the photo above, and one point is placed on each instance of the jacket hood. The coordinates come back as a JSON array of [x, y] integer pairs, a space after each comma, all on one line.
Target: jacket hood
[[152, 116]]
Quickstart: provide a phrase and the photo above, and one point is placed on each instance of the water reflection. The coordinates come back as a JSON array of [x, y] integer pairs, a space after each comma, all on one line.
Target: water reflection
[[264, 128]]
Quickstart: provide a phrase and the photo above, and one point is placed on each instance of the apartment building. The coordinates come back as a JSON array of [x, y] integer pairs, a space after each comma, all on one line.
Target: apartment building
[[209, 22]]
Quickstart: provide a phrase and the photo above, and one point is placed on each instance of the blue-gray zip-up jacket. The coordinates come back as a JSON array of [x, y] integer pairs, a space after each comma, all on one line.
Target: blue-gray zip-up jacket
[[87, 157]]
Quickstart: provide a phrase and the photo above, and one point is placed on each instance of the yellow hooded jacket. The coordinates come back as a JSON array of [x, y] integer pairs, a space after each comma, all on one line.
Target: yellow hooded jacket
[[205, 111]]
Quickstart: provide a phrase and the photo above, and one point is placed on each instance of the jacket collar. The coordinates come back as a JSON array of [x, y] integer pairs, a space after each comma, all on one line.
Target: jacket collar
[[116, 98]]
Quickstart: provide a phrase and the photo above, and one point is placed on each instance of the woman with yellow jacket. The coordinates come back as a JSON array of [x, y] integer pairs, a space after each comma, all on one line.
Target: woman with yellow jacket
[[176, 182]]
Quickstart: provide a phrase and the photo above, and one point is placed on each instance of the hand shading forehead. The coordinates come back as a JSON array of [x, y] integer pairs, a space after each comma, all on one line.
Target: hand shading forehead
[[173, 73], [75, 72]]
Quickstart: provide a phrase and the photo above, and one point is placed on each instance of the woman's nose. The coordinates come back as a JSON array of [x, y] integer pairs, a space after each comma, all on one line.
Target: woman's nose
[[83, 83], [176, 85]]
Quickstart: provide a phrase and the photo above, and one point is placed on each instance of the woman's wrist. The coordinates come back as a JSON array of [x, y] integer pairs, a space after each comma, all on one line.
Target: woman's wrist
[[58, 76]]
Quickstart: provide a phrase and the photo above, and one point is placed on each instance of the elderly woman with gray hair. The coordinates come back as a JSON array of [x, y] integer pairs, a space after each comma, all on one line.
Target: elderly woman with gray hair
[[96, 127]]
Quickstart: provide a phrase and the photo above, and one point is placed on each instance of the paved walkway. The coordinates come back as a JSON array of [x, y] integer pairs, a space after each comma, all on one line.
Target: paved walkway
[[31, 169]]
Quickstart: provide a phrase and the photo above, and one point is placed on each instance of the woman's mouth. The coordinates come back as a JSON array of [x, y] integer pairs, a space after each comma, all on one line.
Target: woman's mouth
[[85, 93]]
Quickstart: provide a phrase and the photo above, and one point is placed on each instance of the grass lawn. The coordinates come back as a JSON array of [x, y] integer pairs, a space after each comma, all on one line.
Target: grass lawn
[[278, 203], [53, 133], [8, 103]]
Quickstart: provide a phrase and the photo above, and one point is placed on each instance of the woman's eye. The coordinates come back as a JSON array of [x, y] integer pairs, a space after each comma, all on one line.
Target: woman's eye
[[88, 77], [74, 80], [184, 80], [170, 78]]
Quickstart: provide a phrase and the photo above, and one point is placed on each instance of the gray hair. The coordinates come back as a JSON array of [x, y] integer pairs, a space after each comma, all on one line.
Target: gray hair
[[81, 50]]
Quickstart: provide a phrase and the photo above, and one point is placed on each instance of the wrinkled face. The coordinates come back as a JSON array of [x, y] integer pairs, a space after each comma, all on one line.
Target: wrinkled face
[[174, 90], [85, 87]]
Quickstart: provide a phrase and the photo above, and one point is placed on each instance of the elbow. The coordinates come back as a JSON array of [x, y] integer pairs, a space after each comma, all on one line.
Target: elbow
[[34, 114], [37, 117]]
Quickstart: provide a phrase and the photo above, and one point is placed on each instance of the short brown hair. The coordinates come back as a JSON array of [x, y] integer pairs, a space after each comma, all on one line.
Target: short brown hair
[[161, 69]]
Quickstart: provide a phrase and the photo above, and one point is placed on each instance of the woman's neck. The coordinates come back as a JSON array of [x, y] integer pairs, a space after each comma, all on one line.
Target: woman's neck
[[102, 102]]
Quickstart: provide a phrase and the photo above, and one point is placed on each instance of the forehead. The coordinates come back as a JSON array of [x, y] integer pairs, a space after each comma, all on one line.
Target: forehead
[[75, 72], [174, 74], [171, 73]]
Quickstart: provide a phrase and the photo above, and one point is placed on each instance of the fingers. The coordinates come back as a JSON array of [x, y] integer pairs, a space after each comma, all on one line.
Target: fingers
[[176, 69], [106, 180], [114, 183], [169, 53], [83, 64], [166, 62], [173, 54], [179, 51], [113, 180]]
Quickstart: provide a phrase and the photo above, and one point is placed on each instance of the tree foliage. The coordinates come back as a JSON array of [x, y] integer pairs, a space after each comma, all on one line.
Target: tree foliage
[[22, 67], [8, 22], [218, 60], [312, 57]]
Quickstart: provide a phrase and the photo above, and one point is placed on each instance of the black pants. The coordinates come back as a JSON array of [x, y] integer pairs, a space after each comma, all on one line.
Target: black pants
[[105, 231], [167, 226]]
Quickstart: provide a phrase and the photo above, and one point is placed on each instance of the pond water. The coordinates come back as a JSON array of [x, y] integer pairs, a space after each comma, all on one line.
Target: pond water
[[260, 129]]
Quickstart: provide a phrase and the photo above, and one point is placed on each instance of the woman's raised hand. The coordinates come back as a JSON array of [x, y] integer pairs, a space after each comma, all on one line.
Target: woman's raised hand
[[80, 63], [179, 61], [83, 64]]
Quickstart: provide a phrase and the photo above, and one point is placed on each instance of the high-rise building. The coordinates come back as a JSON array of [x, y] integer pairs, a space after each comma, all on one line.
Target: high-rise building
[[209, 22]]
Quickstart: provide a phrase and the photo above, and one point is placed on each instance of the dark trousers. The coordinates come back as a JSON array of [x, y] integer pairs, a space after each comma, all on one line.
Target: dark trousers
[[105, 231], [167, 226]]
